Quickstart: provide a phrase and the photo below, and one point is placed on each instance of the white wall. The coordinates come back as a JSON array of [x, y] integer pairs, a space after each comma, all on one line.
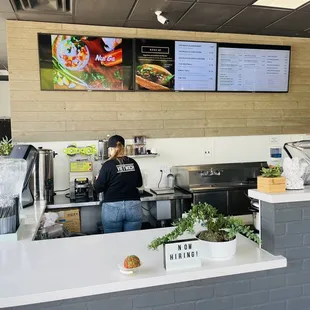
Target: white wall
[[181, 151], [5, 110]]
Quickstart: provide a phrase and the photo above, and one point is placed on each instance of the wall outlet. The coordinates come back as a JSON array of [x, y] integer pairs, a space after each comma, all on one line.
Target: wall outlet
[[165, 169], [208, 152]]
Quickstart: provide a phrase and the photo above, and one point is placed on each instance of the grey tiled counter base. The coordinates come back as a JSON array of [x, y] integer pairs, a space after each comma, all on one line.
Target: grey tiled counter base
[[285, 231]]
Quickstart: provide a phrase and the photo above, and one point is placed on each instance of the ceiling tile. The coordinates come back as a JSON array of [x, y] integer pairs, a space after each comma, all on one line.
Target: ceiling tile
[[212, 14], [39, 17], [306, 8], [5, 6], [257, 18], [145, 11], [111, 9], [98, 20], [306, 33], [286, 33], [231, 29], [195, 27], [152, 24], [297, 21], [236, 2]]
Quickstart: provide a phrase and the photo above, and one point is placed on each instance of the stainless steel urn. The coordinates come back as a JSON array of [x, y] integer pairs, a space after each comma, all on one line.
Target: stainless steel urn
[[44, 175]]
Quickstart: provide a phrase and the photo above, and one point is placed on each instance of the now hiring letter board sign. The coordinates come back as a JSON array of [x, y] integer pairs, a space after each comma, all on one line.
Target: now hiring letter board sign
[[181, 254]]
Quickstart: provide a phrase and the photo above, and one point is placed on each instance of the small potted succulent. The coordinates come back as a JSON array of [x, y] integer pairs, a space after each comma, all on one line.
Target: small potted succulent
[[271, 180], [217, 240], [5, 147]]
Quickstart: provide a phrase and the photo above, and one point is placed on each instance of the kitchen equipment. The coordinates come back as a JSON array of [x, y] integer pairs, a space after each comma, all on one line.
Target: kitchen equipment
[[300, 149], [162, 191], [139, 145], [44, 175], [81, 180], [81, 176], [224, 186], [170, 180], [81, 190], [28, 153], [103, 149], [129, 150]]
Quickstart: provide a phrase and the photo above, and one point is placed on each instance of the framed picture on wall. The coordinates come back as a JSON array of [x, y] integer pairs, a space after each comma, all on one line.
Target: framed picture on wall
[[70, 62]]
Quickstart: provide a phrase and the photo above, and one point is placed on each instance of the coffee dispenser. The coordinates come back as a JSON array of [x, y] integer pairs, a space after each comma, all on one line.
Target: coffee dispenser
[[44, 175]]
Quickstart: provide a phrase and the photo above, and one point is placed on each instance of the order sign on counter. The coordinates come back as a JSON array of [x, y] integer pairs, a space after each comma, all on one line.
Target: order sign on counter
[[181, 254]]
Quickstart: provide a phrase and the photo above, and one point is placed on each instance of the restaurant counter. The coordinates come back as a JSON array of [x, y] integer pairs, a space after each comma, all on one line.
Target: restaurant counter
[[81, 270]]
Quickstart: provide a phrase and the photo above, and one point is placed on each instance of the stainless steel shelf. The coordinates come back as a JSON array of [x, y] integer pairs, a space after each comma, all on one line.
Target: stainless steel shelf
[[144, 156]]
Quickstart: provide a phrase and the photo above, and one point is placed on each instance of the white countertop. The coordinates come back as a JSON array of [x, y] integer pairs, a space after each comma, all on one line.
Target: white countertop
[[288, 196], [43, 271], [30, 218]]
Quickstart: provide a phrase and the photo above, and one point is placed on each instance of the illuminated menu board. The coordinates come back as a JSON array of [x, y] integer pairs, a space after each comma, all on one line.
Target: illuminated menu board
[[166, 65], [195, 66], [253, 68]]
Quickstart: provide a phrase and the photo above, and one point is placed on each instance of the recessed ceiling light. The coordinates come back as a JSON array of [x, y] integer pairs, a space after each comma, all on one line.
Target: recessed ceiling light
[[283, 4]]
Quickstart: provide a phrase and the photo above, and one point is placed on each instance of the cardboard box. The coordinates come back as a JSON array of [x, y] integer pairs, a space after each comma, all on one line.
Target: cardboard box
[[71, 220], [271, 185]]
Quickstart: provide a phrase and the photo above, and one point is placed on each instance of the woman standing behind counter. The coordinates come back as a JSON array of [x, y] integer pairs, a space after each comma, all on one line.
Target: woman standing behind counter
[[119, 179]]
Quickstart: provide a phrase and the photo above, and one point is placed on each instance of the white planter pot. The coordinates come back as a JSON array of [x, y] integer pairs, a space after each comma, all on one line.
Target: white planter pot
[[218, 250]]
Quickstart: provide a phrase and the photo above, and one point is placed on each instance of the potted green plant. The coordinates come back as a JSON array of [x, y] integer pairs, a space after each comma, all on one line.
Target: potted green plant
[[218, 239], [5, 147], [271, 180]]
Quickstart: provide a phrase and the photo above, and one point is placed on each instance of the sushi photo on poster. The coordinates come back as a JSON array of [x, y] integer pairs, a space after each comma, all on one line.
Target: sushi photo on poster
[[155, 65], [70, 62]]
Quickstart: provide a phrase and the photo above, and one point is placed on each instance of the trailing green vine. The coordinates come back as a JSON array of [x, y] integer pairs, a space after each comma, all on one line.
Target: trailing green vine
[[218, 227]]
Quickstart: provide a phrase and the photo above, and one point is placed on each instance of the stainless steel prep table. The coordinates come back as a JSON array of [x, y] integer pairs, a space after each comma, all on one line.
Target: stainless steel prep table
[[91, 213]]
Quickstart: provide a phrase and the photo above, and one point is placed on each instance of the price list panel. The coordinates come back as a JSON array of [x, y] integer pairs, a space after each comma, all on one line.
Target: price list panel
[[195, 66], [253, 68]]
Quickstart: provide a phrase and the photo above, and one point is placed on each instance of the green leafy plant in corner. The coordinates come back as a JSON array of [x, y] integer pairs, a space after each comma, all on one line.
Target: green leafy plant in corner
[[272, 172], [5, 147], [218, 227]]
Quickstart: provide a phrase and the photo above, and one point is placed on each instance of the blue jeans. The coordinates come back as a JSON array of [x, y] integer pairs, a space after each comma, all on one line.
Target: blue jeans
[[121, 216]]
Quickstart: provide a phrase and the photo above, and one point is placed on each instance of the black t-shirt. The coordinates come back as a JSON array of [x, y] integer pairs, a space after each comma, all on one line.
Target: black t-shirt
[[118, 180]]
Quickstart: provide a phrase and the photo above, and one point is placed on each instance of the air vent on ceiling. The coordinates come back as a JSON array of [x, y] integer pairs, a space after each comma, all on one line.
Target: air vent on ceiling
[[43, 5]]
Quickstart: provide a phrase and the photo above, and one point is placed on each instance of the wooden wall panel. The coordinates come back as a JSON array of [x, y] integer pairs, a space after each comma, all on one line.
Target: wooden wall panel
[[50, 116]]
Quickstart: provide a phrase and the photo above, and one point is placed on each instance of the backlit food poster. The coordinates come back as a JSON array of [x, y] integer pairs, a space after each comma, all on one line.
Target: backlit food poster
[[155, 65], [85, 63]]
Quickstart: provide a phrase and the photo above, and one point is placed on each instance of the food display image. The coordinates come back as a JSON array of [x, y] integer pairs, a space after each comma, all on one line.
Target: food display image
[[155, 65], [72, 53], [154, 77], [85, 63]]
